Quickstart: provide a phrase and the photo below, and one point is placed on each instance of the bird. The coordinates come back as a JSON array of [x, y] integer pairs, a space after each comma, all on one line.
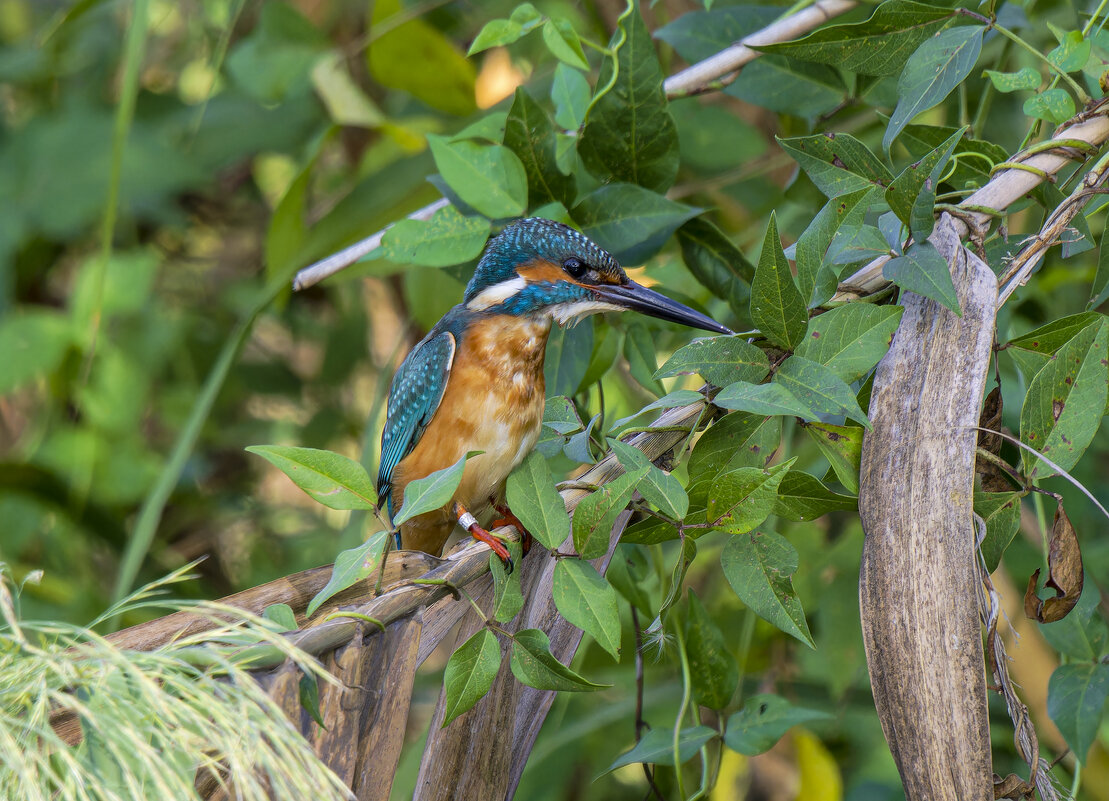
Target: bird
[[475, 382]]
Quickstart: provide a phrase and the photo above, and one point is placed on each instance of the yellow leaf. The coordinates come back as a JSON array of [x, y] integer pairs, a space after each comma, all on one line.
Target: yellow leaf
[[734, 777], [820, 776], [418, 59]]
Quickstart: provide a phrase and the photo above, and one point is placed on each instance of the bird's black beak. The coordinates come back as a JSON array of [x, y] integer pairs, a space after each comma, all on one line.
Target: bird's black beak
[[637, 297]]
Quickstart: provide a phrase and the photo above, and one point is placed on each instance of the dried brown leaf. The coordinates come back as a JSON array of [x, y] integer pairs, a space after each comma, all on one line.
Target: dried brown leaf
[[1064, 564], [993, 478]]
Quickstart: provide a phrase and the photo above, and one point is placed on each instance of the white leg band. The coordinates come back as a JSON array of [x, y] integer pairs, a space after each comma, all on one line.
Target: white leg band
[[467, 520]]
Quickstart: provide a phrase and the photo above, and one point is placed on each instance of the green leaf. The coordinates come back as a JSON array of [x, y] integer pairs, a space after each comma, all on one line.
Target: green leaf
[[1047, 339], [433, 491], [606, 347], [718, 265], [309, 697], [1082, 634], [282, 615], [530, 135], [442, 76], [640, 351], [923, 270], [597, 512], [1001, 513], [819, 388], [352, 566], [630, 222], [563, 42], [488, 128], [842, 446], [657, 747], [658, 487], [671, 400], [788, 86], [719, 360], [34, 344], [570, 95], [939, 65], [1066, 401], [912, 195], [1053, 105], [508, 598], [532, 497], [879, 46], [855, 243], [629, 573], [1076, 702], [742, 499], [1026, 78], [490, 178], [816, 281], [762, 722], [501, 32], [713, 671], [470, 673], [586, 600], [330, 478], [851, 339], [777, 308], [1099, 289], [759, 565], [567, 357], [495, 33], [763, 399], [802, 497], [534, 665], [1072, 53], [837, 163], [446, 239], [630, 135], [736, 440]]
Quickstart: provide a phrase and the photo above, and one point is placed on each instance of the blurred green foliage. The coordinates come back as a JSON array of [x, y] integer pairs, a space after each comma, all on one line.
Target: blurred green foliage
[[267, 135]]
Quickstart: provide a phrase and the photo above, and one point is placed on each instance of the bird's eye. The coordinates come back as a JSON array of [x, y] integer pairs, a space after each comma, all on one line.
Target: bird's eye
[[575, 267]]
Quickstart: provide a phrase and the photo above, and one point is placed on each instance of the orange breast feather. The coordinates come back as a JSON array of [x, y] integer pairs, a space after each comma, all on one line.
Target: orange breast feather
[[493, 403]]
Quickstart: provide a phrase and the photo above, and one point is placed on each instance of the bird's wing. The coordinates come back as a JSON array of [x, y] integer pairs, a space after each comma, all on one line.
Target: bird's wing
[[414, 396]]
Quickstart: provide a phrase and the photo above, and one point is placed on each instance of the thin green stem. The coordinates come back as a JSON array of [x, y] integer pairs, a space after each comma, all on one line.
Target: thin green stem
[[1075, 87], [594, 46], [679, 641], [133, 49], [1077, 781], [217, 66], [614, 54], [1086, 30], [1041, 521]]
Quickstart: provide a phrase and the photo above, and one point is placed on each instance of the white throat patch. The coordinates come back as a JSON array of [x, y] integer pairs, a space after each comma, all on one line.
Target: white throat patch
[[574, 310], [496, 294]]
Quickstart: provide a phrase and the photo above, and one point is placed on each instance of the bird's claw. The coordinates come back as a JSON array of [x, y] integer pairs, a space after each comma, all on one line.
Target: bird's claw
[[467, 521]]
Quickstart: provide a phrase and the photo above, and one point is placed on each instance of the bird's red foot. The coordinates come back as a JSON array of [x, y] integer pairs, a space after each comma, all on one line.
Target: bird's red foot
[[508, 519], [468, 522]]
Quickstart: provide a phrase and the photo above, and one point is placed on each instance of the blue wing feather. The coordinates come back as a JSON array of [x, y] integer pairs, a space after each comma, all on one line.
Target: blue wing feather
[[414, 396]]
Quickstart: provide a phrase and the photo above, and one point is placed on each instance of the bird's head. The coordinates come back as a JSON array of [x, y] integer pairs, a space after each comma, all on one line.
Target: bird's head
[[537, 267]]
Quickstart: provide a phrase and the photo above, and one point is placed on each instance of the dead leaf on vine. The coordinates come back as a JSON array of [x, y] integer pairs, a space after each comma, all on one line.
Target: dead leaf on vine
[[1064, 565]]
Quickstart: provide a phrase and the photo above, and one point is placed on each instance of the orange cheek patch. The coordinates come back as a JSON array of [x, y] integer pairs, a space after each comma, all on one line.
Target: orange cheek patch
[[540, 270]]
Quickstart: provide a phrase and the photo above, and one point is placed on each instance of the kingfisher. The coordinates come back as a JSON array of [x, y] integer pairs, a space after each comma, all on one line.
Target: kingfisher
[[475, 382]]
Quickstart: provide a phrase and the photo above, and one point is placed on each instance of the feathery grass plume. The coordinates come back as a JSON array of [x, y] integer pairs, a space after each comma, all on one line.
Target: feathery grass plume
[[150, 720]]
